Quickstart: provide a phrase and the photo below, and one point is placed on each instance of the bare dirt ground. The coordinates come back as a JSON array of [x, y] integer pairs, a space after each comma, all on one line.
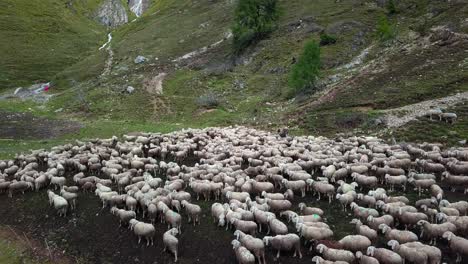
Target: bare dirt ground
[[27, 126]]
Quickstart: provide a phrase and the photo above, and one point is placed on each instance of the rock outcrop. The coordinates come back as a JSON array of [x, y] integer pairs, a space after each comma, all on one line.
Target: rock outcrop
[[112, 13], [138, 6]]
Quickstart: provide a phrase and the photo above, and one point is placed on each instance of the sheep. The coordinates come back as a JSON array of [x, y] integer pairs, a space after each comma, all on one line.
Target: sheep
[[60, 203], [363, 259], [396, 180], [310, 210], [449, 117], [366, 200], [460, 206], [431, 213], [384, 256], [354, 242], [399, 235], [171, 242], [273, 196], [249, 227], [434, 231], [457, 244], [323, 188], [455, 180], [335, 254], [407, 253], [422, 184], [275, 225], [461, 222], [278, 205], [218, 213], [434, 255], [243, 255], [313, 233], [58, 182], [364, 230], [173, 219], [298, 185], [142, 229], [320, 260], [20, 186], [434, 112], [410, 218], [193, 211], [124, 216], [240, 196], [284, 242], [364, 180], [346, 199], [70, 197], [253, 244], [363, 212]]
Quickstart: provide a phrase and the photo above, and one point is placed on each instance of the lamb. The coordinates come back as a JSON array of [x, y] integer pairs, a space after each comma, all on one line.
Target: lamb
[[354, 242], [364, 230], [457, 244], [284, 242], [253, 244], [399, 235], [310, 210], [142, 229], [335, 254], [363, 259], [244, 226], [434, 231], [193, 212], [171, 242], [244, 256], [384, 256], [407, 253]]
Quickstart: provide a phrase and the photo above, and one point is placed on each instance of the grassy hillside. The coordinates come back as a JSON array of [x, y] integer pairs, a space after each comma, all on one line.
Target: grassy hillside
[[38, 39], [216, 88]]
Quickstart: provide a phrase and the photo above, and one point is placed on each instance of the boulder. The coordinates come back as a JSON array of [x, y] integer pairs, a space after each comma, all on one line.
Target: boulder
[[140, 59]]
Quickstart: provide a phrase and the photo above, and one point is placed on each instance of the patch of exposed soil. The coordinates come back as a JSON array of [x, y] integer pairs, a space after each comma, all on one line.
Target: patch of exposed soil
[[27, 126]]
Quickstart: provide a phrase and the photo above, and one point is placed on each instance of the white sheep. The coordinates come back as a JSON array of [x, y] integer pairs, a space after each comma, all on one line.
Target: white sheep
[[171, 242], [284, 242], [244, 256], [142, 229]]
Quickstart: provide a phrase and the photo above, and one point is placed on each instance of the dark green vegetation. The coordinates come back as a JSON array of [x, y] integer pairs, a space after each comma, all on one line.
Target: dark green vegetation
[[385, 31], [214, 87], [253, 20], [306, 71]]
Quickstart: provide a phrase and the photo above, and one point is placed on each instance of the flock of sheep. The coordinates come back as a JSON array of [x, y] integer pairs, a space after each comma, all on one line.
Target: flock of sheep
[[254, 178]]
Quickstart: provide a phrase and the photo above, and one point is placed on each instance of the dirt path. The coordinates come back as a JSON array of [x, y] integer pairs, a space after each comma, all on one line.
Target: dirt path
[[400, 116]]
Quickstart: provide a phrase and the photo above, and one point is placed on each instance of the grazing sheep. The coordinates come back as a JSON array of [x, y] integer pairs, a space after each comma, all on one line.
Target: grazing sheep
[[218, 214], [171, 242], [173, 219], [249, 227], [354, 242], [20, 186], [401, 236], [310, 210], [193, 212], [284, 242], [363, 259], [364, 230], [275, 225]]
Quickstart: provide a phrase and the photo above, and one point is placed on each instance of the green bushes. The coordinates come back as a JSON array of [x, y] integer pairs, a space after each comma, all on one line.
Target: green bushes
[[391, 7], [385, 31], [326, 39], [254, 19], [305, 72]]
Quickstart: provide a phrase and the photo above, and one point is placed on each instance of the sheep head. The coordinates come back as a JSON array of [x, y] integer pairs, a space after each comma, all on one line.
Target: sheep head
[[370, 251]]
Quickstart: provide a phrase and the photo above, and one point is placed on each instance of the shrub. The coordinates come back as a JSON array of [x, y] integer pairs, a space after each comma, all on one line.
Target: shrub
[[209, 100], [391, 7], [254, 19], [326, 39], [305, 72], [385, 31]]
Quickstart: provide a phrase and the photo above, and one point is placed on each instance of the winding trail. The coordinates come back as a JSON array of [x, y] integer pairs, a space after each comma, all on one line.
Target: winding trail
[[110, 58], [400, 116]]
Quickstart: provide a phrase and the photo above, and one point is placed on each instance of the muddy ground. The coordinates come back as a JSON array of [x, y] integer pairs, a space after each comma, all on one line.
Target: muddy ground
[[28, 126], [92, 235]]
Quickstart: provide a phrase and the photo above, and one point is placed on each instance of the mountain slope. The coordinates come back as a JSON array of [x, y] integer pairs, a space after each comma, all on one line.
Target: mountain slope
[[38, 39]]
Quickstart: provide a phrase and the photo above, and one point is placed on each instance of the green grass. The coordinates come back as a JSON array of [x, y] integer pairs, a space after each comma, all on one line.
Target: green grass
[[39, 38], [15, 253]]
